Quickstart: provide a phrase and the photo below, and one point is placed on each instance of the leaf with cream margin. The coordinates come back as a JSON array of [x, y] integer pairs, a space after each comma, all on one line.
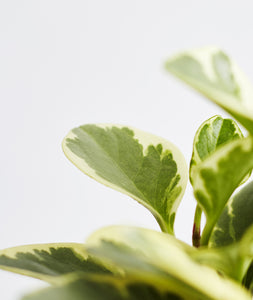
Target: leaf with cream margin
[[47, 261], [210, 136], [107, 288], [216, 178], [149, 254], [146, 167], [211, 72], [212, 133]]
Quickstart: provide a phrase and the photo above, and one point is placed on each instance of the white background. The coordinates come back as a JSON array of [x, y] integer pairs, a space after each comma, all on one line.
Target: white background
[[67, 63]]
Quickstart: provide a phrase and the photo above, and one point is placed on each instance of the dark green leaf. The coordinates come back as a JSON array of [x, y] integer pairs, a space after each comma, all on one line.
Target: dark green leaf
[[235, 219]]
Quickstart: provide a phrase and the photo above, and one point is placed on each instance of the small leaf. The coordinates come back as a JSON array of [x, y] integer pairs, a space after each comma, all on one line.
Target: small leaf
[[49, 261], [235, 219], [99, 287], [155, 256], [212, 133], [147, 168], [216, 178], [212, 73]]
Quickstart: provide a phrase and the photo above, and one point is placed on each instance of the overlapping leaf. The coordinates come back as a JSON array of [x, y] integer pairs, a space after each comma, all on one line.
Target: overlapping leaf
[[234, 260], [216, 178], [48, 261], [156, 256], [211, 72], [97, 288], [212, 133], [235, 219], [148, 168]]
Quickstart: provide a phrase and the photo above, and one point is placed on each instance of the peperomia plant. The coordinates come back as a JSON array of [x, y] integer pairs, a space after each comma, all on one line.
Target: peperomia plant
[[121, 262]]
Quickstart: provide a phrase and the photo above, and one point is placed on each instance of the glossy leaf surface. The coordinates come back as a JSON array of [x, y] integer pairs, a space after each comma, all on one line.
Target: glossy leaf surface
[[147, 168]]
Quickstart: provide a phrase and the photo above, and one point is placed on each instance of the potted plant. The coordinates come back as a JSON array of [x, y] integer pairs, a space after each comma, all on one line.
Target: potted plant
[[121, 262]]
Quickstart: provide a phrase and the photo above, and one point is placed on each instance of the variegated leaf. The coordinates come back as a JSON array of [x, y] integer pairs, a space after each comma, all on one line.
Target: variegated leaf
[[235, 219], [101, 287], [48, 261], [212, 73], [212, 133], [147, 168], [216, 178], [159, 257]]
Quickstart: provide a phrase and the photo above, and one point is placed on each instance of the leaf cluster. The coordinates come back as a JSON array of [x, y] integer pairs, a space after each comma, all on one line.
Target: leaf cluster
[[121, 262]]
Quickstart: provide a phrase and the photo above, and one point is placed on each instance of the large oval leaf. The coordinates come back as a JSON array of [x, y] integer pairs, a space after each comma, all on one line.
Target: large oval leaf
[[147, 168], [216, 178], [161, 258], [97, 288], [211, 72], [48, 261]]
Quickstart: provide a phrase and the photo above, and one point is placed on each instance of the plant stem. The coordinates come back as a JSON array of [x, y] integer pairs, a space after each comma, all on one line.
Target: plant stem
[[207, 231], [196, 232]]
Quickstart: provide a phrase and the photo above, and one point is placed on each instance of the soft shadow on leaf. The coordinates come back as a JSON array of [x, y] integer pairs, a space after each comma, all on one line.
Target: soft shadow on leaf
[[98, 288]]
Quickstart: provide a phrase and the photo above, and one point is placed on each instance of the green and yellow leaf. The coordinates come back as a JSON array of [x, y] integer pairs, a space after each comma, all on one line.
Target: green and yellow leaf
[[216, 178], [146, 167], [211, 72], [106, 288], [48, 261], [152, 256], [212, 133]]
